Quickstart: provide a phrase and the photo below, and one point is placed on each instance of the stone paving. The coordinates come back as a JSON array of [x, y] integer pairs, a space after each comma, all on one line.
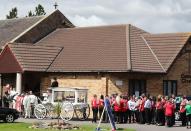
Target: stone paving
[[137, 127]]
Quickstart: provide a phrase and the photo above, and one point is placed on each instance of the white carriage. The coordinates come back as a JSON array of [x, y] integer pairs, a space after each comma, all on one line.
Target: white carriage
[[73, 101]]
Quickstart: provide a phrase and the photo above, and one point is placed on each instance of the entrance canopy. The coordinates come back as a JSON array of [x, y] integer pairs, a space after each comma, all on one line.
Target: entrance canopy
[[19, 58], [27, 57]]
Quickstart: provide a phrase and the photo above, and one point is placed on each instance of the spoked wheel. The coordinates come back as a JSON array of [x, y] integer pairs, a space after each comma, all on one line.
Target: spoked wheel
[[50, 111], [67, 111], [82, 112], [40, 111], [177, 116], [9, 118]]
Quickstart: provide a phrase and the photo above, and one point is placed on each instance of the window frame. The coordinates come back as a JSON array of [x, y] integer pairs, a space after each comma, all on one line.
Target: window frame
[[166, 87]]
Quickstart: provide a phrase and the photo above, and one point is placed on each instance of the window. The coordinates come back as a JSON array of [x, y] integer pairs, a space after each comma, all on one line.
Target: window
[[169, 87], [82, 97], [64, 96]]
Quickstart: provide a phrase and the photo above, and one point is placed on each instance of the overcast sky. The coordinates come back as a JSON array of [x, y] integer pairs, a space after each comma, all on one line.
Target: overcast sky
[[155, 16]]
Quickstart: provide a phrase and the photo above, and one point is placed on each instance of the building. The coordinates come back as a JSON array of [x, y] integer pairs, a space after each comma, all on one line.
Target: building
[[28, 30], [110, 59]]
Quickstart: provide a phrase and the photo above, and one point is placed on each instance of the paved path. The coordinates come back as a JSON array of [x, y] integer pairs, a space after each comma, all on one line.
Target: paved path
[[137, 127]]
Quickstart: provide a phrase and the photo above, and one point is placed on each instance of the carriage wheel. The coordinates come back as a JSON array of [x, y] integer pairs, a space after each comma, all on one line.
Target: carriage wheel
[[50, 111], [82, 113], [40, 111], [67, 111]]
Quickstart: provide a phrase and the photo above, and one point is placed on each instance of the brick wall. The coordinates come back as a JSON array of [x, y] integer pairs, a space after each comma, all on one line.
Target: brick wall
[[180, 66], [94, 83]]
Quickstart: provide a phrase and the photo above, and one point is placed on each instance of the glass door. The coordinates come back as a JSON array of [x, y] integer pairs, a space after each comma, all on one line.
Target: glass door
[[137, 87]]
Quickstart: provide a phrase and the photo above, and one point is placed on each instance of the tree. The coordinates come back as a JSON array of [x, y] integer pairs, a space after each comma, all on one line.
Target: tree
[[30, 14], [12, 13], [39, 10]]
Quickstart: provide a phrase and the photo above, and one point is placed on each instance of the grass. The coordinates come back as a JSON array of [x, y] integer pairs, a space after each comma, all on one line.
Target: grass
[[24, 127]]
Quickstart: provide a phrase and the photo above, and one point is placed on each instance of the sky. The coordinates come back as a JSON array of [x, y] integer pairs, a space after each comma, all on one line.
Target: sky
[[155, 16]]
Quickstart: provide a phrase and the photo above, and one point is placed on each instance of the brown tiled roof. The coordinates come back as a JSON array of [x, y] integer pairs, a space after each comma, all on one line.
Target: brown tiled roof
[[114, 48], [34, 58], [11, 28], [167, 46], [89, 49], [119, 48], [142, 57], [104, 48]]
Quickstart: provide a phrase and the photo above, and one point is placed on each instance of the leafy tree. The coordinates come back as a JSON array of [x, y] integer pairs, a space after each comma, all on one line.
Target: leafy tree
[[39, 10], [12, 14]]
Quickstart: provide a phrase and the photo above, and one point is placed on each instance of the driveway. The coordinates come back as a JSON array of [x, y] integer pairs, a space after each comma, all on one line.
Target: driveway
[[137, 127]]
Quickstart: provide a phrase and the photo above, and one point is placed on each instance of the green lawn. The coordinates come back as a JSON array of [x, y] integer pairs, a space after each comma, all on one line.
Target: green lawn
[[24, 127]]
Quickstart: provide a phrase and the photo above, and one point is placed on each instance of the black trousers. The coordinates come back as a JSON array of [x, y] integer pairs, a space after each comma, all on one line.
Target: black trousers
[[188, 120], [159, 116], [100, 113], [163, 117], [147, 115], [153, 116], [125, 116], [95, 112], [118, 116], [137, 116], [183, 118], [131, 116], [142, 117], [169, 121], [173, 119]]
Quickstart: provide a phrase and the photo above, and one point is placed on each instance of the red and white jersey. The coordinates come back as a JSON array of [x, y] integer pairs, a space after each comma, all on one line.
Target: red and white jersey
[[94, 103], [18, 104]]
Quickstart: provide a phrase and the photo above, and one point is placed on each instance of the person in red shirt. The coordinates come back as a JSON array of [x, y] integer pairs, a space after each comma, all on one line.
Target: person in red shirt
[[125, 109], [101, 106], [169, 111], [94, 104], [153, 109], [141, 110], [164, 99], [183, 110], [159, 111], [117, 108]]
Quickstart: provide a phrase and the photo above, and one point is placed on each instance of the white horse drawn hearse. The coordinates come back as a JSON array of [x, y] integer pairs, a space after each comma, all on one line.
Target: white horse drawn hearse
[[73, 101]]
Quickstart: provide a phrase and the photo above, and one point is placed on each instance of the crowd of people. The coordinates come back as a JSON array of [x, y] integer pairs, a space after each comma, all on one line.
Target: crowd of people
[[144, 109], [24, 102]]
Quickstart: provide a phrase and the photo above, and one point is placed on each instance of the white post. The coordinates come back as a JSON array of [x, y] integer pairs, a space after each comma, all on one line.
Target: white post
[[76, 97], [18, 82]]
